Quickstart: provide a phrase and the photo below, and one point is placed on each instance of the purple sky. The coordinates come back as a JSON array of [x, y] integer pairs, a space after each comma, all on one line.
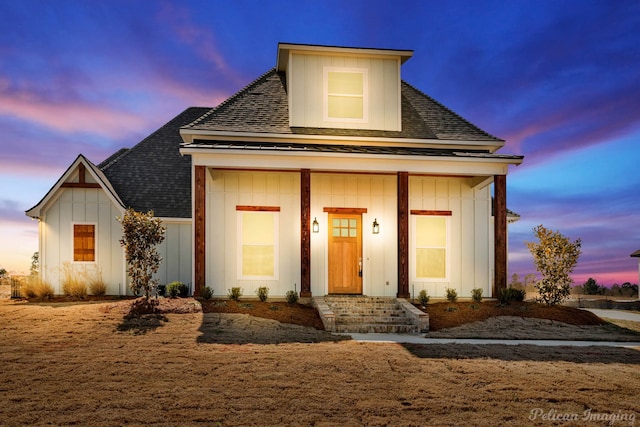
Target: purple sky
[[558, 80]]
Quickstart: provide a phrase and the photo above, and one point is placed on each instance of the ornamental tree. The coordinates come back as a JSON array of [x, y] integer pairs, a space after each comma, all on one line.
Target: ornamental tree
[[141, 233], [555, 257]]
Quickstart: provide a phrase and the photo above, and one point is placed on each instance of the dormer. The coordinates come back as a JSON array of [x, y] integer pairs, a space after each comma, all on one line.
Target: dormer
[[343, 88]]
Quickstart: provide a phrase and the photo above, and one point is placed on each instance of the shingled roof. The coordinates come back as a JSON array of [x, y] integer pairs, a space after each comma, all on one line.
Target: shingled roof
[[262, 107], [153, 175]]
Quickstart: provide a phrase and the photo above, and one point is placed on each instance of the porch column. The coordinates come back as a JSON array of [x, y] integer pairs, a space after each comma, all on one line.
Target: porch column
[[403, 235], [199, 221], [500, 232], [305, 233]]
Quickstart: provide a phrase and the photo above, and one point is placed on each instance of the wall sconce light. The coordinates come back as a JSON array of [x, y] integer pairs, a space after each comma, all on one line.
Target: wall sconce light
[[316, 226], [376, 226]]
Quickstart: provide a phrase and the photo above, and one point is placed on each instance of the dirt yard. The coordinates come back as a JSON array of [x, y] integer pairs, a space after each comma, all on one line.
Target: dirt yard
[[98, 364]]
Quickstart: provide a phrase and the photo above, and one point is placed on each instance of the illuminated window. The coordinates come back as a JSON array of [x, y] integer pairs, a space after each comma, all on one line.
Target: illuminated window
[[431, 247], [258, 243], [84, 242], [345, 95]]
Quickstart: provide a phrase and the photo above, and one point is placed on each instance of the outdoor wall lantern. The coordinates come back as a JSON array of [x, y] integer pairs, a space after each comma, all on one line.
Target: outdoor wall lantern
[[376, 226], [316, 226]]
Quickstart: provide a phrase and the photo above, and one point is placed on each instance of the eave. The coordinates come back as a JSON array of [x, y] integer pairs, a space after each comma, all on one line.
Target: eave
[[190, 135]]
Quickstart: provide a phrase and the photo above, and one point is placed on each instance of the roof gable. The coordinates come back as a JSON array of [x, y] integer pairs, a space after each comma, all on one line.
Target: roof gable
[[80, 174]]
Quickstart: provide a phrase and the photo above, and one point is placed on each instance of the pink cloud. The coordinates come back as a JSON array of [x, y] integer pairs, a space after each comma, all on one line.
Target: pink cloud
[[68, 116]]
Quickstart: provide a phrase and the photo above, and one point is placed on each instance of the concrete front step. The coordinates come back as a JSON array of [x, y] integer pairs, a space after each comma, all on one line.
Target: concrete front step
[[360, 314]]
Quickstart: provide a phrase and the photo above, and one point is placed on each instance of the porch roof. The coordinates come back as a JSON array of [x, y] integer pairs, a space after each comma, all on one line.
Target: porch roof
[[348, 149]]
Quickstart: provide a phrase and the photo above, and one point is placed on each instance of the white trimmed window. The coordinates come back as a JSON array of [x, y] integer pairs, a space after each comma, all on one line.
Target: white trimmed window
[[346, 95], [431, 247], [258, 243]]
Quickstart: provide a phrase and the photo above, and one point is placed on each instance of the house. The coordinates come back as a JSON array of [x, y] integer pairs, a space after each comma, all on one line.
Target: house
[[328, 174]]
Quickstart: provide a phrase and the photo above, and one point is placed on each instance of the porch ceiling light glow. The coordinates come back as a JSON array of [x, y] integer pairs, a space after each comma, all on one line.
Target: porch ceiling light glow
[[316, 226], [376, 226]]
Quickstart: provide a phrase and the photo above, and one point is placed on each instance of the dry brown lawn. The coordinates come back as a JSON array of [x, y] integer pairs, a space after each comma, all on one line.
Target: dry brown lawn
[[94, 363]]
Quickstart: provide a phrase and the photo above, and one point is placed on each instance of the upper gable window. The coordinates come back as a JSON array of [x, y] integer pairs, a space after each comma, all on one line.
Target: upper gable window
[[345, 95]]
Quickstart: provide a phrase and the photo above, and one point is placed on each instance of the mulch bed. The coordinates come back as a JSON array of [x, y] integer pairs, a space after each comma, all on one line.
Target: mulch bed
[[448, 315], [297, 314]]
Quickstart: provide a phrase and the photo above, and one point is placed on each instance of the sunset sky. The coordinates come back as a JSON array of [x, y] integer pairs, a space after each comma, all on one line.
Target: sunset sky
[[558, 80]]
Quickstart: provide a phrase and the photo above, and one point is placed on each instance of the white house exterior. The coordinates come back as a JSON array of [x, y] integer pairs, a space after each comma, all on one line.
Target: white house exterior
[[328, 174], [314, 153]]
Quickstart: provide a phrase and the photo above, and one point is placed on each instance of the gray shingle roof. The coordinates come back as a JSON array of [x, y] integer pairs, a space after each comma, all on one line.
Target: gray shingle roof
[[153, 175], [262, 107]]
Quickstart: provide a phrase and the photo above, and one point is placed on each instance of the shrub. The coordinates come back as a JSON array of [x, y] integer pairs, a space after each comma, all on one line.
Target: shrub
[[263, 293], [177, 288], [292, 297], [555, 257], [73, 283], [27, 289], [141, 234], [476, 294], [235, 294], [97, 286], [161, 290], [206, 293], [507, 295], [183, 290], [452, 295], [42, 290], [423, 297]]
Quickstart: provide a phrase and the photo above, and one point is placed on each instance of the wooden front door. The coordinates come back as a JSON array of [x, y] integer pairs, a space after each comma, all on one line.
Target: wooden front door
[[345, 253]]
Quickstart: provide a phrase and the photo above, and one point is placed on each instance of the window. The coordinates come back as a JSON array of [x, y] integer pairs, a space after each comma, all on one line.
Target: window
[[431, 242], [345, 95], [84, 242], [258, 243]]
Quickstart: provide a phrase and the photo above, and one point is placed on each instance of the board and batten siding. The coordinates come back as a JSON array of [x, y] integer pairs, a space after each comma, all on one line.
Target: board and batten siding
[[176, 250], [376, 193], [82, 206], [471, 232], [225, 191], [305, 87]]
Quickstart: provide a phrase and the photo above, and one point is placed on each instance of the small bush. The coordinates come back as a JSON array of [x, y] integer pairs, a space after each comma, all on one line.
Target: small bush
[[507, 295], [97, 286], [476, 294], [206, 293], [161, 290], [292, 297], [451, 309], [263, 293], [73, 283], [27, 289], [43, 290], [452, 295], [423, 297], [177, 289], [235, 294]]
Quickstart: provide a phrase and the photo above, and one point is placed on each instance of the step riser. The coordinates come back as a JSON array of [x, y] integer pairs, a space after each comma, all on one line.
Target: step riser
[[370, 315]]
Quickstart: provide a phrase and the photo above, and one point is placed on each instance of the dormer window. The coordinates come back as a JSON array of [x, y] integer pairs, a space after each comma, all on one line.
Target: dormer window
[[346, 95]]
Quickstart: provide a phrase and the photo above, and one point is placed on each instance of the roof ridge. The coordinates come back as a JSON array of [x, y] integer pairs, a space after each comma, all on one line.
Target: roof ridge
[[448, 110], [230, 99]]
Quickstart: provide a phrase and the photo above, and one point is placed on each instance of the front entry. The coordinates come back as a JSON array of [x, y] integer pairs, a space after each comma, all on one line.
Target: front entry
[[345, 253]]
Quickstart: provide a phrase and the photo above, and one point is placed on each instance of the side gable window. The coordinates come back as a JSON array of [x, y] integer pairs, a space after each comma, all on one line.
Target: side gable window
[[258, 243], [84, 242], [431, 248], [346, 95]]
